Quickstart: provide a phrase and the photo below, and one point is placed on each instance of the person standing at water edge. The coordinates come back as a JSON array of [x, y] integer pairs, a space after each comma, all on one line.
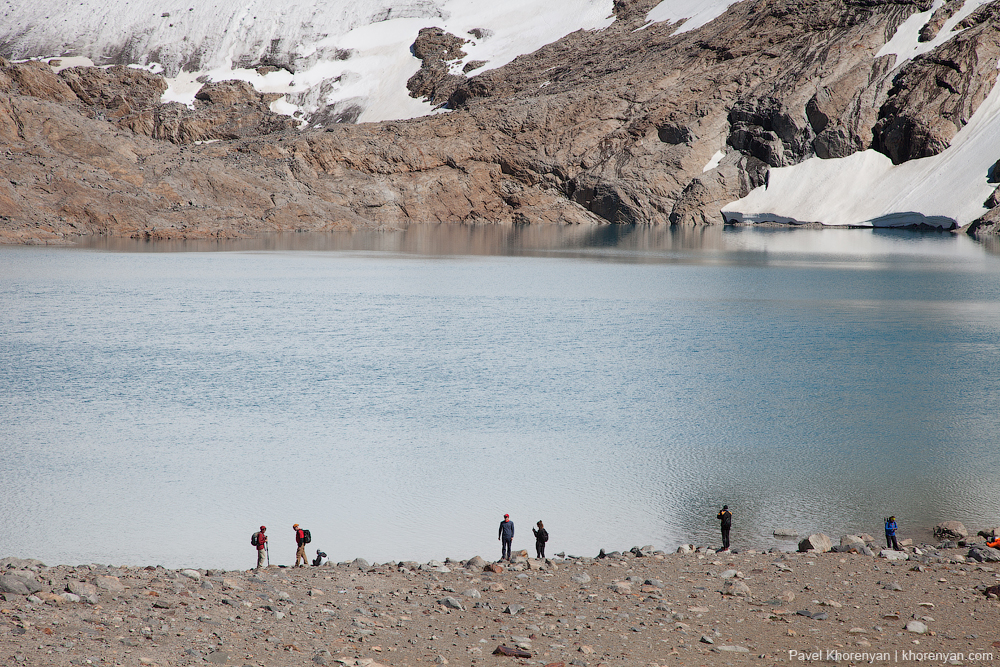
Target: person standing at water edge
[[890, 534], [541, 537], [506, 536], [300, 542], [726, 517], [260, 541]]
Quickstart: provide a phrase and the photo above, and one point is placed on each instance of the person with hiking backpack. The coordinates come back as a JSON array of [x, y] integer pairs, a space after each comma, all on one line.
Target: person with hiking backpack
[[259, 540], [302, 538], [541, 537]]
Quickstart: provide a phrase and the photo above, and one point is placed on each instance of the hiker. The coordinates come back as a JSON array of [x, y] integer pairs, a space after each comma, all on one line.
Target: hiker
[[300, 542], [506, 536], [260, 541], [890, 534], [541, 537], [320, 555], [726, 517]]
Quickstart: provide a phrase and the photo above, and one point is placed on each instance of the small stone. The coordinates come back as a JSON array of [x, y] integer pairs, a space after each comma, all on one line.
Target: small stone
[[471, 593], [705, 639], [734, 649], [192, 574], [586, 650], [513, 609], [581, 578], [916, 627]]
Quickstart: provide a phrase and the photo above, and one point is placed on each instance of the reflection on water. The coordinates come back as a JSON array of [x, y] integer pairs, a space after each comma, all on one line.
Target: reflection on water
[[632, 243], [397, 392]]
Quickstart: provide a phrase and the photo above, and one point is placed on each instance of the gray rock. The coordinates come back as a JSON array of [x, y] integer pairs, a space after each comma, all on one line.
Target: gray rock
[[218, 658], [728, 574], [109, 583], [892, 586], [360, 564], [916, 627], [622, 587], [471, 593], [192, 574], [475, 563], [452, 603], [785, 532], [12, 584], [581, 578], [950, 530], [655, 583], [736, 587], [513, 609], [984, 554], [816, 542], [889, 554], [734, 649], [852, 541], [705, 639], [82, 589]]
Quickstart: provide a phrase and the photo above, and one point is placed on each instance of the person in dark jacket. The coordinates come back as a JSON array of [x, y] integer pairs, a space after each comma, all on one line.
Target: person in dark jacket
[[726, 517], [506, 536], [890, 534], [541, 537]]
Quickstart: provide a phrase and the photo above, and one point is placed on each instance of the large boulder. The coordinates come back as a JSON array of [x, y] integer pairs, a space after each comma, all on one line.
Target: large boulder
[[950, 530], [816, 542]]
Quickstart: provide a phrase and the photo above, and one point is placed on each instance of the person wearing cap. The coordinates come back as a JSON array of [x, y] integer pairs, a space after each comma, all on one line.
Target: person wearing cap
[[506, 536], [300, 541], [726, 517], [890, 534], [261, 547]]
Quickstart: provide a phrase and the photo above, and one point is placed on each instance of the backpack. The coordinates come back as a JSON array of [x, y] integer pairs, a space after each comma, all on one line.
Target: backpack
[[543, 535], [255, 539], [306, 536]]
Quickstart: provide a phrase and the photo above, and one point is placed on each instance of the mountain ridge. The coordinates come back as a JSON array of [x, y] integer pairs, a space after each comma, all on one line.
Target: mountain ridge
[[621, 125]]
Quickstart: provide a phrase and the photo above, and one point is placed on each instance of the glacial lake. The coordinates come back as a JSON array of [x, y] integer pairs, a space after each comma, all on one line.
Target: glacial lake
[[397, 392]]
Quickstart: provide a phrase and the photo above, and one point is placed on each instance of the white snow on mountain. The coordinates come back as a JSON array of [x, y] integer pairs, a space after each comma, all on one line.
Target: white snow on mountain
[[694, 13], [866, 189], [337, 59], [335, 54]]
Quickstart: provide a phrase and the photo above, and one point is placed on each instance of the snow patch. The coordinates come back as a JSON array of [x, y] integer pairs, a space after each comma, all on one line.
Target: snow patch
[[865, 189], [905, 43], [697, 12], [714, 162]]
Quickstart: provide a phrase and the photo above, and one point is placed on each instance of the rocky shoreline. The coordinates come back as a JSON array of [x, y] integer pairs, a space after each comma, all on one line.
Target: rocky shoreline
[[848, 603]]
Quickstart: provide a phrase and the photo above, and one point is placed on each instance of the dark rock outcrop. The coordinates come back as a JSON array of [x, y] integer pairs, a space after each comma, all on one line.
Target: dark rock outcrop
[[434, 81]]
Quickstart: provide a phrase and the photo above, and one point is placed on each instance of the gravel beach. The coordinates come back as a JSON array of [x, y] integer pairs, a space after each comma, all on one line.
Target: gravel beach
[[641, 607]]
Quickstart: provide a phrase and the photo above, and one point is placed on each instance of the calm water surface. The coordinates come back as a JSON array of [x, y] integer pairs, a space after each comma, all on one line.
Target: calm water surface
[[398, 392]]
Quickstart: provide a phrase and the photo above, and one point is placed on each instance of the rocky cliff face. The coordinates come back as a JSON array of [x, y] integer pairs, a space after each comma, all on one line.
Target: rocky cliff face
[[612, 126]]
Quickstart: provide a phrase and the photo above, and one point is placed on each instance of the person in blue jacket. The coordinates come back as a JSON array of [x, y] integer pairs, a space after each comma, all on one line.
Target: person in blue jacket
[[506, 536], [890, 534]]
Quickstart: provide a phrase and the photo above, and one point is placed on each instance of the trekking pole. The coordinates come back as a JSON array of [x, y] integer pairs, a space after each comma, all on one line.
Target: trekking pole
[[268, 552]]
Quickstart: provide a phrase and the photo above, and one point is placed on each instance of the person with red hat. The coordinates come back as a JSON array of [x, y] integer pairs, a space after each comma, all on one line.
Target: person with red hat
[[260, 541], [506, 536], [300, 541]]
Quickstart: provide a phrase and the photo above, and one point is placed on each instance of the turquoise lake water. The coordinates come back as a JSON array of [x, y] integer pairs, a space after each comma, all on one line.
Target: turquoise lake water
[[398, 392]]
